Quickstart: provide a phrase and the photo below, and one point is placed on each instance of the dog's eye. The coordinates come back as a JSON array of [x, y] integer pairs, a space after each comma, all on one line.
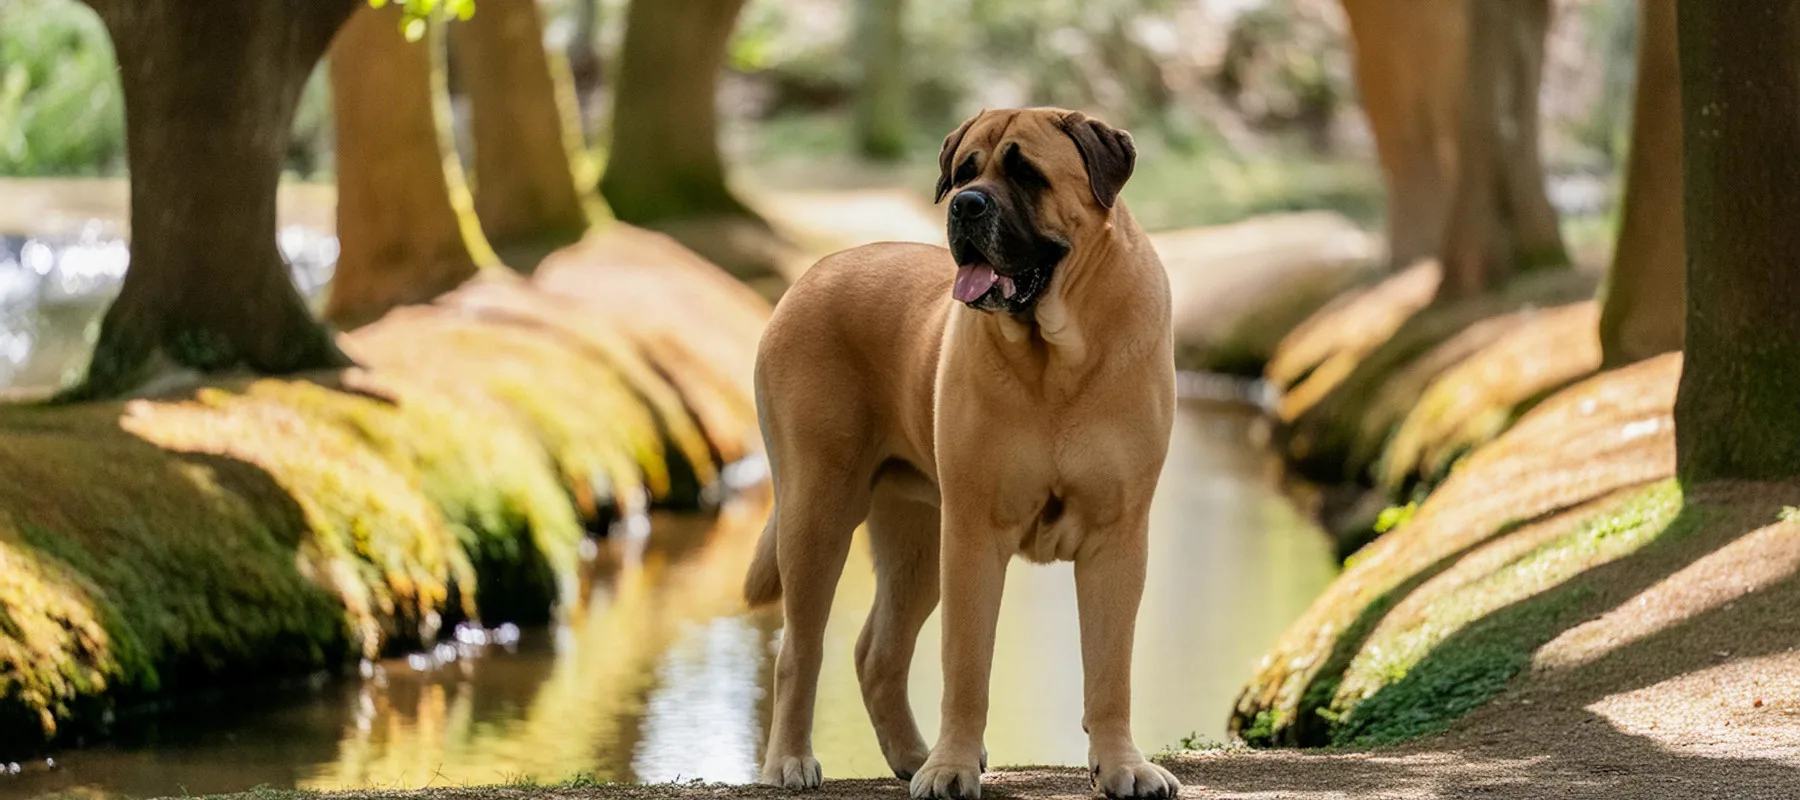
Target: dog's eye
[[966, 172], [1022, 171]]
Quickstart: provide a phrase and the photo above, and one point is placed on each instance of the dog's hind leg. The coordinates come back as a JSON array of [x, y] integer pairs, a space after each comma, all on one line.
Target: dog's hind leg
[[903, 537], [818, 504]]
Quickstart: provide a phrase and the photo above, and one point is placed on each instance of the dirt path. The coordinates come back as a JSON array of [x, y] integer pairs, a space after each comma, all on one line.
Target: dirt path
[[1580, 770]]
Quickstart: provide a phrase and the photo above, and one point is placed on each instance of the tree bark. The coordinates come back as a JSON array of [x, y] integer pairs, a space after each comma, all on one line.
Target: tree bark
[[1642, 304], [664, 162], [210, 90], [881, 101], [527, 139], [1501, 220], [1409, 60], [1739, 403], [406, 225], [1537, 233]]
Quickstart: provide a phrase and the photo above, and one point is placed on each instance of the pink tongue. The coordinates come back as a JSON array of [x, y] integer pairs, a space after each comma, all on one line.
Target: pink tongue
[[973, 281]]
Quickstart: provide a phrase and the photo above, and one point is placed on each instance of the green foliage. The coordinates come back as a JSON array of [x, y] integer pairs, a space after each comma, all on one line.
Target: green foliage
[[584, 780], [1195, 741], [417, 12], [61, 109], [753, 45], [1262, 728], [1395, 516]]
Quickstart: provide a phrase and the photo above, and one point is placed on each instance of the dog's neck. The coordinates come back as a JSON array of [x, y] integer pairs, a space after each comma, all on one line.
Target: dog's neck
[[1095, 284]]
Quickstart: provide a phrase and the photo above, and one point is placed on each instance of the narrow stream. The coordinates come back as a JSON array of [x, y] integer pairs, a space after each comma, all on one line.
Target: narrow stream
[[663, 676]]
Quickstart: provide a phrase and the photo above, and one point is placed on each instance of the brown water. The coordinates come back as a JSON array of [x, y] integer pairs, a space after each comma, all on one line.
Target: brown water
[[663, 676]]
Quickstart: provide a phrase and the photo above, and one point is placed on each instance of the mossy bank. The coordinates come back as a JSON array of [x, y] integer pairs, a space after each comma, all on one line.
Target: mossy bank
[[259, 528]]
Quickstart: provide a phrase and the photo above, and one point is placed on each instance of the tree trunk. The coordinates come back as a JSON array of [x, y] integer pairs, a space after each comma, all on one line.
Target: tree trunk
[[881, 102], [1739, 404], [527, 139], [406, 225], [1536, 231], [1501, 219], [664, 162], [1642, 304], [1409, 75], [210, 90]]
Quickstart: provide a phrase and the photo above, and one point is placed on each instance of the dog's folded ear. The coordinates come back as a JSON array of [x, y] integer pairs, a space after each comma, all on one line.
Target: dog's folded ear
[[1107, 152], [951, 142]]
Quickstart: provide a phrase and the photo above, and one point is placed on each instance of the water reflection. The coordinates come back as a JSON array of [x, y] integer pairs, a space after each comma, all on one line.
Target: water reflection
[[663, 676]]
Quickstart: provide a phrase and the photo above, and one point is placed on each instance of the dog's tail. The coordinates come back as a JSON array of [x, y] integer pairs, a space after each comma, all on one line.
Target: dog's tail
[[762, 585]]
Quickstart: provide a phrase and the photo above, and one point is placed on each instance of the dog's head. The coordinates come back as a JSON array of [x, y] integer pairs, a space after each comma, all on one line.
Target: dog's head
[[1025, 187]]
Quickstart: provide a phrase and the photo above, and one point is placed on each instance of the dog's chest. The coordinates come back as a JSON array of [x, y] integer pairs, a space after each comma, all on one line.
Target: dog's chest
[[1078, 487], [1055, 463]]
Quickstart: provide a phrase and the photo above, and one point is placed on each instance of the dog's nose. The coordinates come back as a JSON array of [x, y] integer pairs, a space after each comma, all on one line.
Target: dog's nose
[[970, 205]]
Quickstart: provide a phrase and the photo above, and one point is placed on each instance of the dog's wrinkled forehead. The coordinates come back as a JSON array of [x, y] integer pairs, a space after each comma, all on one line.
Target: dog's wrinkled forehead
[[1063, 145]]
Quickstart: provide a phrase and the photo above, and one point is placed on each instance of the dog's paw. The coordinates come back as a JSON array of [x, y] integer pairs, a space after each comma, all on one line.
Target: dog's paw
[[1136, 779], [791, 772], [908, 763], [943, 780]]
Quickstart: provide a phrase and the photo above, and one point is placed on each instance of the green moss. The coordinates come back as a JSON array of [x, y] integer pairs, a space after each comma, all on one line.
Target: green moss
[[603, 439], [479, 466], [274, 528], [1417, 675], [1457, 680], [1262, 729], [371, 534], [126, 569], [280, 526]]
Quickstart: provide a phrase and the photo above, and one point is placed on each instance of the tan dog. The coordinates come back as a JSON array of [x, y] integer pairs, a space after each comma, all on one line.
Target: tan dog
[[1012, 395]]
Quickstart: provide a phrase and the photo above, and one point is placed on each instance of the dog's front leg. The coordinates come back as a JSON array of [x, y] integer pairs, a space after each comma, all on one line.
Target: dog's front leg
[[1109, 583], [972, 576]]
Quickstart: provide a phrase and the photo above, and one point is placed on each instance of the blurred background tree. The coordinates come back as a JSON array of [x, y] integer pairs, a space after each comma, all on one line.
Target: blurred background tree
[[532, 179], [1645, 291], [407, 229], [1501, 219], [884, 93], [1247, 107], [1258, 95]]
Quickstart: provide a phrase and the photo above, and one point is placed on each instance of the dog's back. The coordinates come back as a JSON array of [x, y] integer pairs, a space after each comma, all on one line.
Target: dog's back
[[835, 347]]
